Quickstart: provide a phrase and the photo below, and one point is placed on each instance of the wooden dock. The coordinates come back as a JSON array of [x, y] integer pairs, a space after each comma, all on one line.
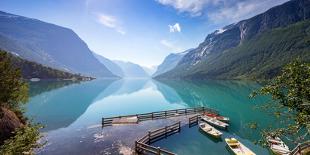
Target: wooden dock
[[133, 119], [143, 145], [301, 149]]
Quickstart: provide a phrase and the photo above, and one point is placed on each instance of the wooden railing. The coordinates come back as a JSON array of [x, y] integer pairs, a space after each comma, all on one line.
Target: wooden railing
[[143, 146], [300, 147], [192, 121], [160, 114]]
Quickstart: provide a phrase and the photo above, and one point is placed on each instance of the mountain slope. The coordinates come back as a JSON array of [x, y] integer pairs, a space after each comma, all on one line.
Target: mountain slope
[[253, 48], [170, 62], [33, 70], [48, 44], [113, 67], [131, 70]]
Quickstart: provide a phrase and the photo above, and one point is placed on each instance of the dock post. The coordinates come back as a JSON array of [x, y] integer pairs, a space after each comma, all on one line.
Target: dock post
[[179, 126], [149, 142], [136, 149], [166, 131], [158, 150]]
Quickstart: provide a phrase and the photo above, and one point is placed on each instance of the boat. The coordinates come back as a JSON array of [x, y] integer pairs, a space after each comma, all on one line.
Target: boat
[[218, 117], [277, 146], [214, 122], [210, 130], [237, 147]]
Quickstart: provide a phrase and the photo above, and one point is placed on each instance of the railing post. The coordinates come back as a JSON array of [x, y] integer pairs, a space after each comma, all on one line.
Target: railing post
[[152, 115], [136, 148], [149, 134], [165, 131], [158, 150], [179, 127], [185, 111], [165, 113]]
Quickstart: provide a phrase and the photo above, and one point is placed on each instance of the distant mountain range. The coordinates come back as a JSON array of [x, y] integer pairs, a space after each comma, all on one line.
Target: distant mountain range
[[31, 70], [255, 48], [170, 62], [123, 69], [48, 44], [131, 70], [112, 66]]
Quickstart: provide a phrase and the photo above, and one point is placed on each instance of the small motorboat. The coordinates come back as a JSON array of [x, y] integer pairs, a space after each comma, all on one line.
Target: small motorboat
[[277, 146], [214, 122], [218, 117], [238, 148], [210, 130]]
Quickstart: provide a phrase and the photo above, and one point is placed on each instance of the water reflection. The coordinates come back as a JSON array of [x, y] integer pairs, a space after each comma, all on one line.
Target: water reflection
[[74, 111], [60, 106], [228, 97]]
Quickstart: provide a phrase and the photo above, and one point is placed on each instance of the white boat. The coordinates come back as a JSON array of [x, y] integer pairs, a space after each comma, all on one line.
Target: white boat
[[277, 146], [218, 117], [210, 130], [214, 122], [238, 148]]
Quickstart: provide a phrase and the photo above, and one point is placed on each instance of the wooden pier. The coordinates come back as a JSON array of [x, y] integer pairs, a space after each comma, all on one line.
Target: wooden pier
[[192, 121], [133, 119], [301, 149], [143, 145]]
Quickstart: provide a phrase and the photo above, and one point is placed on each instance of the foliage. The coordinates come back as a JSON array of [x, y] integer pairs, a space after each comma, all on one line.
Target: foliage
[[13, 90], [290, 92], [24, 141], [260, 57]]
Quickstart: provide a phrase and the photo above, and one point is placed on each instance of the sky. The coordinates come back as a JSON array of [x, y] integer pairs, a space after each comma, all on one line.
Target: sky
[[140, 31]]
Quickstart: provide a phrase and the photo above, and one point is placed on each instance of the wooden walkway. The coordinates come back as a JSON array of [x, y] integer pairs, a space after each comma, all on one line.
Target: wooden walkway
[[143, 145], [301, 149], [133, 119]]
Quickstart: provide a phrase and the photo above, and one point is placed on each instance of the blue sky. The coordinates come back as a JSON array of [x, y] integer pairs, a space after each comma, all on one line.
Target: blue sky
[[140, 31]]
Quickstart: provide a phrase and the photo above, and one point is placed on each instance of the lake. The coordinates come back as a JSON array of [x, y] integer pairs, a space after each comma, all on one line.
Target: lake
[[72, 112]]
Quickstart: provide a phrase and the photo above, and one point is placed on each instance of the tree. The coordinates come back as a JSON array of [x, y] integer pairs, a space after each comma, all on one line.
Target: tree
[[290, 93], [14, 91]]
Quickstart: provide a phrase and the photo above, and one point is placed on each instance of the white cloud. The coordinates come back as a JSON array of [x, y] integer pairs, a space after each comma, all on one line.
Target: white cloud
[[194, 7], [175, 28], [110, 22], [170, 45], [242, 10], [225, 11]]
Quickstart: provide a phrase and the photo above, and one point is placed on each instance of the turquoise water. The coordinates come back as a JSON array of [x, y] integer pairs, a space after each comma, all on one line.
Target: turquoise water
[[72, 112]]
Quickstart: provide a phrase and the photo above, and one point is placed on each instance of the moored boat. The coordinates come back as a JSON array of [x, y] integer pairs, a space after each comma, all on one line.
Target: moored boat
[[210, 130], [277, 146], [237, 147], [214, 122], [218, 117]]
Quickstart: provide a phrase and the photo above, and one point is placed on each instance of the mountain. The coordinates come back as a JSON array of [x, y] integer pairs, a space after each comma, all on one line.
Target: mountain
[[113, 67], [170, 62], [254, 48], [31, 70], [48, 44], [131, 70], [150, 70]]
